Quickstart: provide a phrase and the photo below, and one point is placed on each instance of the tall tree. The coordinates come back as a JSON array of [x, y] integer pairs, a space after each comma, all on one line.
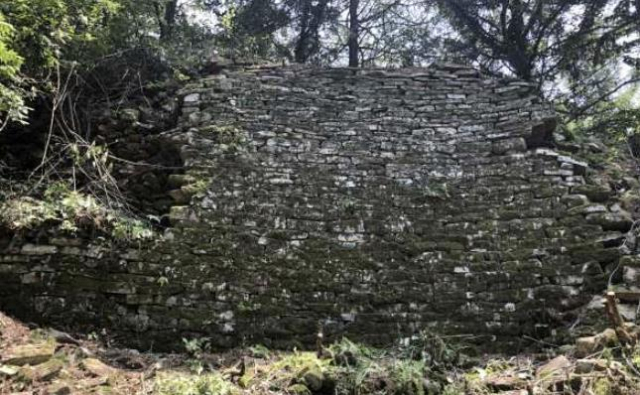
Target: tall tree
[[533, 40], [249, 27], [397, 33], [167, 12], [311, 17], [354, 33], [380, 33]]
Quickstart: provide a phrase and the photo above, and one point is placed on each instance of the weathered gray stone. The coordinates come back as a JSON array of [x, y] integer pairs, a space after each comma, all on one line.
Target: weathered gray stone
[[586, 346], [509, 145], [585, 366], [97, 368], [29, 354], [192, 98], [32, 249], [129, 114], [558, 366], [621, 221], [8, 371], [377, 203]]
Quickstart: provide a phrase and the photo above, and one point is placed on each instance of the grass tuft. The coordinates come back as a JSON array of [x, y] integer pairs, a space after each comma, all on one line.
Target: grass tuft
[[176, 383]]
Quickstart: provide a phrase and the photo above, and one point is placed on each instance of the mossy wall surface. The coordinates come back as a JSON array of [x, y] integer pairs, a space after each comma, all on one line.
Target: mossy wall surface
[[369, 203]]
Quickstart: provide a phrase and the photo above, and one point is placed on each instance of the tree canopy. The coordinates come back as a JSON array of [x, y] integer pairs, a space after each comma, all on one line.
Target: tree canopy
[[549, 43]]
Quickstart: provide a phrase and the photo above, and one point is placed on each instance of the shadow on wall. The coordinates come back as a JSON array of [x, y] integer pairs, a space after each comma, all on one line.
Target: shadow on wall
[[542, 134]]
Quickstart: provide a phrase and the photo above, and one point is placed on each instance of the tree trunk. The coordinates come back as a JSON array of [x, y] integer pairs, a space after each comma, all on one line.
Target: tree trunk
[[354, 33], [312, 18], [168, 21], [300, 51]]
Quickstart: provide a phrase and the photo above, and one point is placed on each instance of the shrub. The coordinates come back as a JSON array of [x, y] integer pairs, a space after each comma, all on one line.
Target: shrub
[[175, 383]]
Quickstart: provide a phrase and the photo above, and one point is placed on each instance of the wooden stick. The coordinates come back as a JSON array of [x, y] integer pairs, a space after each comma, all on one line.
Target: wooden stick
[[628, 296], [319, 340], [611, 308]]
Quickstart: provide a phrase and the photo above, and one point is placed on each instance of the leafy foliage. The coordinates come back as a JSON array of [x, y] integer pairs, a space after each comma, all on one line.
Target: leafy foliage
[[539, 41], [70, 211], [175, 383], [401, 370], [11, 95], [35, 37], [434, 350], [581, 54], [531, 39]]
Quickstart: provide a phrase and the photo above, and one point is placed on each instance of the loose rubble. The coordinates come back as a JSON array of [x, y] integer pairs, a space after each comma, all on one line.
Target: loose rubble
[[46, 362]]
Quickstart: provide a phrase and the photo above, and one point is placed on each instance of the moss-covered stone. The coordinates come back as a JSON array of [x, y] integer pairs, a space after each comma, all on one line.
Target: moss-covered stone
[[299, 389], [314, 197], [595, 193], [30, 353]]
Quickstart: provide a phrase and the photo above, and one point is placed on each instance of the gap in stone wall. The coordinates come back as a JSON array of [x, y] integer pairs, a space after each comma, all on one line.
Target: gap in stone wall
[[542, 134]]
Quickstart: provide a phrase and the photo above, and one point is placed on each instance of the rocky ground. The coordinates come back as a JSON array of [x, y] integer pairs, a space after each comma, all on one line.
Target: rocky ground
[[46, 361]]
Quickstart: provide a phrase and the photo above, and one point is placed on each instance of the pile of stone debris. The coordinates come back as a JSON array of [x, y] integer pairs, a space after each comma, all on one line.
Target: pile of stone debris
[[51, 362], [595, 365], [600, 364]]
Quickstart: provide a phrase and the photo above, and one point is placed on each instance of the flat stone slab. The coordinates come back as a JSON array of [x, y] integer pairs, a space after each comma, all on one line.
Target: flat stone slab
[[29, 354], [97, 367], [8, 371], [43, 372], [556, 366]]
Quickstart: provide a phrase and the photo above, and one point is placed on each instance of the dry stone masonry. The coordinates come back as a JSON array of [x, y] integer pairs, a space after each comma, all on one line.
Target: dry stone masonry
[[369, 203]]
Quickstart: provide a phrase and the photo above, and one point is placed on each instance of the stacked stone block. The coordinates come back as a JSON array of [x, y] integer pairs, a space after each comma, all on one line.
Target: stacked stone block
[[369, 203]]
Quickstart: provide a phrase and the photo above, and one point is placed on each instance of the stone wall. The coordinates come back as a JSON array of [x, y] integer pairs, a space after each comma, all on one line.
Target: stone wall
[[370, 203]]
